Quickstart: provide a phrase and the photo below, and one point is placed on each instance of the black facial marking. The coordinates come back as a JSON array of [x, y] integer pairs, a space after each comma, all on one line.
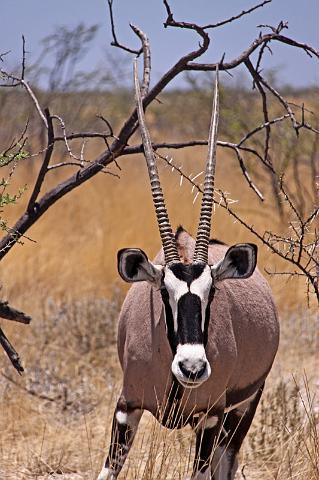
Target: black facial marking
[[169, 319], [189, 309], [188, 273], [207, 313], [189, 319]]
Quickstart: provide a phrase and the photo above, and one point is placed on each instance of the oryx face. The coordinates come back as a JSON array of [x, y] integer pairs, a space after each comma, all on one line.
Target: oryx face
[[187, 291]]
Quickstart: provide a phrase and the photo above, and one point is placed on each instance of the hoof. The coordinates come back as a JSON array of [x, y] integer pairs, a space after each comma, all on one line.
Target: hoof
[[200, 476], [106, 474]]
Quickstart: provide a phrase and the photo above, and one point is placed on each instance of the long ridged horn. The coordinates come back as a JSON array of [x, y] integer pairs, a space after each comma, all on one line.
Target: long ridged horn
[[204, 226], [165, 229]]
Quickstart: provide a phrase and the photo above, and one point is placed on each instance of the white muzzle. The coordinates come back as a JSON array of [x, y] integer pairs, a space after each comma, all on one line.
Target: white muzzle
[[190, 365]]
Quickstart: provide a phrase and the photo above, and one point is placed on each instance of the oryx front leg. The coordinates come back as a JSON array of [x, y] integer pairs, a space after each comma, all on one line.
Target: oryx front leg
[[207, 438], [125, 423]]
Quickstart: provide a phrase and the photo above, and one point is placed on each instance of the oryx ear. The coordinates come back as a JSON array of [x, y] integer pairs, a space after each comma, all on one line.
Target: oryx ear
[[239, 262], [134, 266]]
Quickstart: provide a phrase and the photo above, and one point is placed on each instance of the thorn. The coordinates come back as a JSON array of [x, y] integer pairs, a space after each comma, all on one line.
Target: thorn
[[196, 176]]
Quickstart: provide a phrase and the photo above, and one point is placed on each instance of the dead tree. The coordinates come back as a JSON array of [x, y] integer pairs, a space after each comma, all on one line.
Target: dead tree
[[301, 252]]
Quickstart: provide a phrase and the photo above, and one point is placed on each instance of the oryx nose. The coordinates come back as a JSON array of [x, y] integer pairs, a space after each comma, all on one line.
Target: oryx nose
[[193, 371]]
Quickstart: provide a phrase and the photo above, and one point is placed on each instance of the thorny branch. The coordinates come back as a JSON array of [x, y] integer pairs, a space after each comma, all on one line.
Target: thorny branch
[[294, 249]]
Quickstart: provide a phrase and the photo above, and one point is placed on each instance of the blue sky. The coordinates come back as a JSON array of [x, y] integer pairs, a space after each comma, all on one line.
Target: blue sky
[[38, 18]]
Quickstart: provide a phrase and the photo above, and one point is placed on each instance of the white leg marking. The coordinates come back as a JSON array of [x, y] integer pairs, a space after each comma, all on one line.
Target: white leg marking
[[106, 474], [210, 422], [121, 417], [132, 419]]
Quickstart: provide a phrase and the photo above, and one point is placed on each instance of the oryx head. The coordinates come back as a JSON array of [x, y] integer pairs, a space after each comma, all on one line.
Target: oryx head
[[187, 289]]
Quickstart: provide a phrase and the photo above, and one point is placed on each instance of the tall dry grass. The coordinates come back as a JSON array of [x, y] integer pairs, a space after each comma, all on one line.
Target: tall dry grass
[[55, 420]]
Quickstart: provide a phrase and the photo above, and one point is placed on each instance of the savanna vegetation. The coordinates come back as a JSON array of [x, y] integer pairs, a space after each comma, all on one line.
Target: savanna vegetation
[[56, 418]]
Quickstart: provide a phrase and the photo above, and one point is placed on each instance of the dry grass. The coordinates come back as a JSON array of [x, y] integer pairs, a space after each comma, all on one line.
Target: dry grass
[[55, 420], [57, 417]]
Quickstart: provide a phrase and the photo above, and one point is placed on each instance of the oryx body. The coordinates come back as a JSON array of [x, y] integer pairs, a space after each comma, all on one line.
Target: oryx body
[[198, 333], [241, 344]]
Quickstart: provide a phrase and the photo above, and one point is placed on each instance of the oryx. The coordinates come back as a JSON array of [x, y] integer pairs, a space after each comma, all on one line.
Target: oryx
[[198, 333]]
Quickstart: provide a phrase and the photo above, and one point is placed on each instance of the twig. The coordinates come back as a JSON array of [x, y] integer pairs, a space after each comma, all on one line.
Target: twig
[[74, 136], [256, 78], [282, 101], [3, 55], [63, 128], [24, 83], [236, 17], [262, 127], [30, 391], [35, 101], [64, 164], [115, 42], [260, 55], [109, 126], [247, 176], [23, 58]]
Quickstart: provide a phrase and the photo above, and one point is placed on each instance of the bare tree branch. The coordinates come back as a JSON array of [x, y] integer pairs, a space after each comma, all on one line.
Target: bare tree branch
[[11, 352], [146, 60], [10, 313], [46, 160]]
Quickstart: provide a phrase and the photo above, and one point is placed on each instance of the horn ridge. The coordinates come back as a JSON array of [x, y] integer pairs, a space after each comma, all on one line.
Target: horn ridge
[[205, 219], [165, 229]]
